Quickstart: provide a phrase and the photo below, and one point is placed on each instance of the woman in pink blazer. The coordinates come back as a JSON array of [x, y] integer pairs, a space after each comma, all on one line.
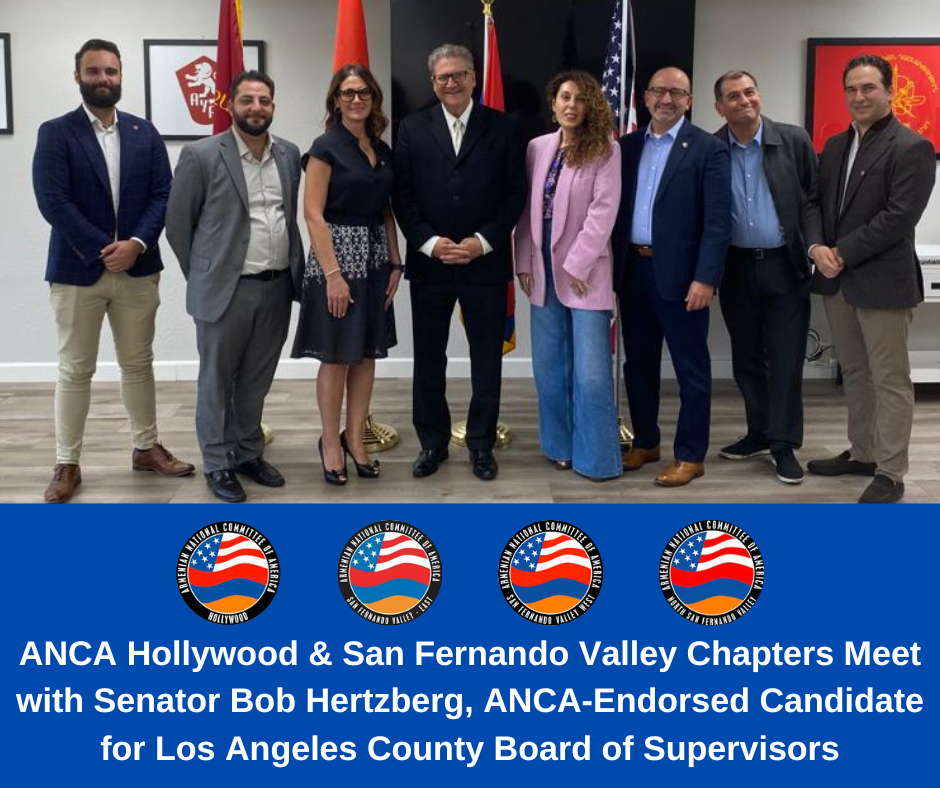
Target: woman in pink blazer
[[564, 265]]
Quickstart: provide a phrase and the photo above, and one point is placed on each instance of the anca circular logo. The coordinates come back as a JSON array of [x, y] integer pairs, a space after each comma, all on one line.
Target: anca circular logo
[[711, 572], [228, 573], [389, 573], [550, 572]]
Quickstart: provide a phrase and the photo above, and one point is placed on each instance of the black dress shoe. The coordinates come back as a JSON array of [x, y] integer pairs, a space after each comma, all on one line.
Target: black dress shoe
[[428, 461], [882, 490], [225, 486], [841, 465], [259, 470], [484, 464]]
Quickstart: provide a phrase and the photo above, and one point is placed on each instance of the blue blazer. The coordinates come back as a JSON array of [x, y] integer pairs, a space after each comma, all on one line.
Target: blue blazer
[[73, 191], [691, 212]]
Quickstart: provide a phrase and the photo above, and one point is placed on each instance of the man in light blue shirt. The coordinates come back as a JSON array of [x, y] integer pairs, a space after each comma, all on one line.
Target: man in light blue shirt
[[670, 243], [765, 291]]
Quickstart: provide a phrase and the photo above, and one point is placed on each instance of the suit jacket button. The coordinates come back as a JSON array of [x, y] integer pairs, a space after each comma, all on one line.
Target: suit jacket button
[[456, 198]]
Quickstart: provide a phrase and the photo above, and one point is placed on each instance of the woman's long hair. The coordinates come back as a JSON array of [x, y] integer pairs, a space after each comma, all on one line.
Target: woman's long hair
[[592, 138], [377, 121]]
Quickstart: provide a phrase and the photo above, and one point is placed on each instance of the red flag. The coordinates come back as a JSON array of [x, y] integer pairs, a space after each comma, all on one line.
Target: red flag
[[492, 97], [229, 61], [351, 43]]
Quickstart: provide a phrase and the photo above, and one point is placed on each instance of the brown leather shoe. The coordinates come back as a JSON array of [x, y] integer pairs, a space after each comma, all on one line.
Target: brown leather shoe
[[680, 473], [159, 460], [636, 458], [65, 478]]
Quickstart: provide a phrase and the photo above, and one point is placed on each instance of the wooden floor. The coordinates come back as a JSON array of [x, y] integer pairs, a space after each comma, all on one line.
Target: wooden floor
[[27, 452]]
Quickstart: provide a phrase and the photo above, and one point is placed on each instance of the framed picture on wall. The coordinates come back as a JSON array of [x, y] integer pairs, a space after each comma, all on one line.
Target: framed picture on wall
[[6, 84], [179, 84], [915, 63]]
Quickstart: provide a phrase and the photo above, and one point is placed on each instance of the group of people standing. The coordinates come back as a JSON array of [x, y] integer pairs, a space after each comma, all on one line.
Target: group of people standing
[[657, 220]]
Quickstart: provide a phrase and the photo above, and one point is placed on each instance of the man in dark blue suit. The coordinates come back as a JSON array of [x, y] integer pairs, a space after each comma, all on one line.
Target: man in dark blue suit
[[102, 179], [670, 242]]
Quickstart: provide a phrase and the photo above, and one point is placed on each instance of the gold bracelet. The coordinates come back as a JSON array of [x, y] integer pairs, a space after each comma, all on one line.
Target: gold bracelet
[[328, 274]]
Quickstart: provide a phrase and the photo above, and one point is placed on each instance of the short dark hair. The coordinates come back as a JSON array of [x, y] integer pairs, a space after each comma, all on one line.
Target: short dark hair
[[377, 121], [96, 45], [251, 76], [887, 77], [727, 77]]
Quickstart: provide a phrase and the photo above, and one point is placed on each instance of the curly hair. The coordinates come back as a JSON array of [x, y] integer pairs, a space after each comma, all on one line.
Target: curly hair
[[592, 137], [377, 121]]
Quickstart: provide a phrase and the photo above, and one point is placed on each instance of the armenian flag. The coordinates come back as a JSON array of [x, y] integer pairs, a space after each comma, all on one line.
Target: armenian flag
[[550, 573], [712, 573], [228, 573], [390, 573]]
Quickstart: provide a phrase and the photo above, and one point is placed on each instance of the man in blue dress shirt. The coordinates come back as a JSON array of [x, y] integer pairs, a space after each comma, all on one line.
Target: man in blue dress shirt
[[670, 241], [765, 290]]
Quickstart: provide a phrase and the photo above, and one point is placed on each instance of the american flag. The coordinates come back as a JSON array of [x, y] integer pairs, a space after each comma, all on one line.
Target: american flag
[[619, 78]]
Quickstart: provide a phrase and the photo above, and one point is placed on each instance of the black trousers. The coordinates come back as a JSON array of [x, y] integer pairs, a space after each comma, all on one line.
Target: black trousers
[[484, 315], [767, 314]]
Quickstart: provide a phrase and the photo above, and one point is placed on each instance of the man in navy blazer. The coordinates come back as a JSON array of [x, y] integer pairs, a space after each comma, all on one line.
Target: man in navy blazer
[[101, 179], [670, 241]]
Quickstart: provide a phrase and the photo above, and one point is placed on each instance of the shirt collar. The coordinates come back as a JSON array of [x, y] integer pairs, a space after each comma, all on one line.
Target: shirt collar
[[673, 132], [243, 149], [876, 126], [99, 126], [758, 138], [464, 116]]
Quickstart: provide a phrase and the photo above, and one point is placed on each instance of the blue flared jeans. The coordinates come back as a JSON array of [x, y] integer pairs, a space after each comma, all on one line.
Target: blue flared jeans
[[574, 378]]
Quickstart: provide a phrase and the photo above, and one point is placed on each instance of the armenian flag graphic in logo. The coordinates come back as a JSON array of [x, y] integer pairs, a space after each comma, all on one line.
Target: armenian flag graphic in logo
[[550, 572], [711, 572], [228, 573], [389, 573]]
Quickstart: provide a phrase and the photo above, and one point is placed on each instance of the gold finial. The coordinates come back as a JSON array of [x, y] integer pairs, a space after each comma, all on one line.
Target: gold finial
[[487, 7]]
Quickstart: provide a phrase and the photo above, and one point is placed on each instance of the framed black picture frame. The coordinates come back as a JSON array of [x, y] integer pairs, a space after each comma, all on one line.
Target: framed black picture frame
[[6, 81], [179, 84], [915, 63]]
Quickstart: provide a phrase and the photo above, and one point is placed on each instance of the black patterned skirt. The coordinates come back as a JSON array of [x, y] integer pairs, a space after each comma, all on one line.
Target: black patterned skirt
[[367, 330]]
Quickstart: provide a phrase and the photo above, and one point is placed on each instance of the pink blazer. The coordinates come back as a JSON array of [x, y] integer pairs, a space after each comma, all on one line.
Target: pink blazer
[[586, 203]]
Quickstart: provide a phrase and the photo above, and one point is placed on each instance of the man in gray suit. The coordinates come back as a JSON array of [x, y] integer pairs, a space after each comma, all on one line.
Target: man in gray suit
[[874, 182], [765, 289], [231, 220]]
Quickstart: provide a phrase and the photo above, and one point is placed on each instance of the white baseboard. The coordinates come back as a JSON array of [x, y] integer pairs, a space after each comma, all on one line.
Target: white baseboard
[[306, 369]]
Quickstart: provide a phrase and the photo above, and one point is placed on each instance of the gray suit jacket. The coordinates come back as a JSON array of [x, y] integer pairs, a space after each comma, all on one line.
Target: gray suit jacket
[[790, 166], [889, 188], [207, 219]]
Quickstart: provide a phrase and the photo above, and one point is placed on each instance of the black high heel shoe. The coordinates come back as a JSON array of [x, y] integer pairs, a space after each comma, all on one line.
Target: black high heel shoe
[[339, 477], [367, 470]]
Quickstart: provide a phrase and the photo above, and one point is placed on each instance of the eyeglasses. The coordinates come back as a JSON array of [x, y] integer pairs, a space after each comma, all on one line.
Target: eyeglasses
[[459, 77], [348, 94], [676, 94]]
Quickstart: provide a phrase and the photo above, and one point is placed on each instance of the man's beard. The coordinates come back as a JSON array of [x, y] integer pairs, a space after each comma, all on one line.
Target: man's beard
[[93, 98], [253, 131]]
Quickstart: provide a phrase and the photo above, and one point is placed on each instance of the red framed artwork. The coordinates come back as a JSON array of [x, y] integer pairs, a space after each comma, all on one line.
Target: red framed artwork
[[916, 66]]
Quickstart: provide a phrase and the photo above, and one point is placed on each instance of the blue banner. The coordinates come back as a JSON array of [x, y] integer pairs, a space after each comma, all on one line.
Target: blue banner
[[465, 644]]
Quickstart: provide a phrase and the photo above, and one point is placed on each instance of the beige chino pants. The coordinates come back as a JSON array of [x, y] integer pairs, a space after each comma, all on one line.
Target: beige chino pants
[[131, 306], [871, 345]]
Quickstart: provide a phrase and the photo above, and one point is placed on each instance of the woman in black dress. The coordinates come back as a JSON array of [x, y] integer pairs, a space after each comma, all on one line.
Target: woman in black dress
[[352, 273]]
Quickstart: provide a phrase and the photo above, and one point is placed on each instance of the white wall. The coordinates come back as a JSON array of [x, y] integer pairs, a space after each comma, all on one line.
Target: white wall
[[763, 37], [769, 40]]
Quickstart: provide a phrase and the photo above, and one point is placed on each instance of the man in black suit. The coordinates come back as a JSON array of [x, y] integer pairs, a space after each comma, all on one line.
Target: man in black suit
[[459, 190], [765, 290], [874, 182]]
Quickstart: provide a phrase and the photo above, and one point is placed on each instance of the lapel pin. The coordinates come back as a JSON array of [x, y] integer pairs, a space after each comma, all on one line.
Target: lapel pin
[[135, 127], [685, 144]]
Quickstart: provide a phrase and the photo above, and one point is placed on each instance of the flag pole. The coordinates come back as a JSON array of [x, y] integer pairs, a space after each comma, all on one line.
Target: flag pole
[[458, 432]]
